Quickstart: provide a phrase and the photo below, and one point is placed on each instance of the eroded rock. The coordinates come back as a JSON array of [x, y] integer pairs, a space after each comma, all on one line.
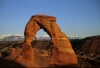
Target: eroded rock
[[62, 52], [26, 58]]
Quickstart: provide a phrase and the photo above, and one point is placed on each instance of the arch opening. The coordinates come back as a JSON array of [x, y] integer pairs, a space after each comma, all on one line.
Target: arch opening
[[42, 40], [42, 33]]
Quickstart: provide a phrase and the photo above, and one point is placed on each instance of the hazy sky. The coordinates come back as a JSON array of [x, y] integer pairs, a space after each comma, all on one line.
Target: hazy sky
[[75, 17]]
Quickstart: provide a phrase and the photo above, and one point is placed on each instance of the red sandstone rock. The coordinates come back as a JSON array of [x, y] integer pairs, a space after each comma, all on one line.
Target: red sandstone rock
[[26, 57], [62, 52], [13, 53]]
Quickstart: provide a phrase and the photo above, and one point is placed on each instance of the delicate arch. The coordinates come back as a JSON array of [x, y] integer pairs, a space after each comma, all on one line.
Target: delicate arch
[[62, 52]]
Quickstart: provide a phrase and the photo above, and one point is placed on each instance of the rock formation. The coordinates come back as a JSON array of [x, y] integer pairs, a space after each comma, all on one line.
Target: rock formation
[[89, 46], [62, 52]]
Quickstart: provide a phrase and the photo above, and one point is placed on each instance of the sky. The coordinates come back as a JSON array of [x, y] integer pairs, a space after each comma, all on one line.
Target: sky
[[75, 17]]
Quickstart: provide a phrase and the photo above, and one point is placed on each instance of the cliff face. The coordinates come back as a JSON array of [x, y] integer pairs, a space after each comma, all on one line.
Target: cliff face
[[88, 51], [89, 46]]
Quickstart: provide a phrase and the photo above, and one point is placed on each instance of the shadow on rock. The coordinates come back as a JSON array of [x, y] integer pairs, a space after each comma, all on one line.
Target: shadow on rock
[[63, 66], [5, 63]]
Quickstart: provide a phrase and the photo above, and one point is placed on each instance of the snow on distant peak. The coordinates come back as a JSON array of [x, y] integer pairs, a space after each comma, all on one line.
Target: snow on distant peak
[[46, 36], [11, 37], [16, 35], [74, 37]]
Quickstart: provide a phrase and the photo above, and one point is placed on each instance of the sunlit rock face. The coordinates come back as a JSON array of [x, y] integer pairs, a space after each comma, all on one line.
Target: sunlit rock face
[[61, 53]]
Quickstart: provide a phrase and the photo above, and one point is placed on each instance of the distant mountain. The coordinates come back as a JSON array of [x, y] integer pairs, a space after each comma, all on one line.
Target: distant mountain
[[74, 37], [12, 37], [18, 37]]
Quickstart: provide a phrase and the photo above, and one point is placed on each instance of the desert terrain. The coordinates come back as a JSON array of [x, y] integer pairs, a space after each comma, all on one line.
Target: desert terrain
[[87, 50]]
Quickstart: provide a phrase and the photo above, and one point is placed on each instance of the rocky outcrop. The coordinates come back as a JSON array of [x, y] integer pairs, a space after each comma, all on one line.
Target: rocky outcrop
[[88, 51], [27, 56], [62, 52], [13, 53], [89, 46]]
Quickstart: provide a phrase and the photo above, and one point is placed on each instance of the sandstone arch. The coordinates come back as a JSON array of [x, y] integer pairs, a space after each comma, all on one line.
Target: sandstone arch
[[62, 52]]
